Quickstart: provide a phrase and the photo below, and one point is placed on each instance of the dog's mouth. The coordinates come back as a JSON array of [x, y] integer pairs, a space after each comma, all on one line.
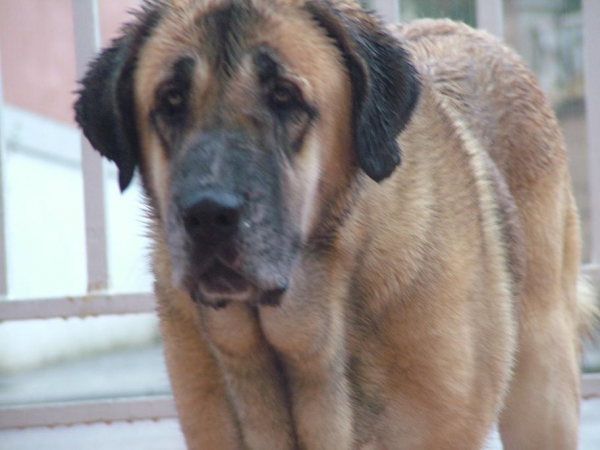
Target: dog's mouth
[[219, 284], [220, 281]]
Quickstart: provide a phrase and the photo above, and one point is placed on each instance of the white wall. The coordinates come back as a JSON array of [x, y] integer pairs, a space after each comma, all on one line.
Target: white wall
[[46, 243]]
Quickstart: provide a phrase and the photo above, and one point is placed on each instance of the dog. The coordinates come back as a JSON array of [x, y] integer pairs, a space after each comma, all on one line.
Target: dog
[[364, 237]]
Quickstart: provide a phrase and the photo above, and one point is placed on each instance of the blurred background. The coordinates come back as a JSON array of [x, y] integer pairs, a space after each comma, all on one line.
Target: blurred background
[[58, 359], [119, 356]]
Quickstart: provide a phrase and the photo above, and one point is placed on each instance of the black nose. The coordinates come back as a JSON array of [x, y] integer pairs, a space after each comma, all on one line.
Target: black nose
[[211, 214]]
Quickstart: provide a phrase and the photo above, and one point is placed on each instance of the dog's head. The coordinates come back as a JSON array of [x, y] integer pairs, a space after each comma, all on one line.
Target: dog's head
[[248, 120]]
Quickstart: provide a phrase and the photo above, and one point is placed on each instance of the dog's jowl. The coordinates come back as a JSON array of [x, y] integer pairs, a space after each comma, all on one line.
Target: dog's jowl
[[364, 237]]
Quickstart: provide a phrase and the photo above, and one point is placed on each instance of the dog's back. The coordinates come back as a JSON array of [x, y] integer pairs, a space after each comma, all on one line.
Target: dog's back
[[496, 96], [489, 89]]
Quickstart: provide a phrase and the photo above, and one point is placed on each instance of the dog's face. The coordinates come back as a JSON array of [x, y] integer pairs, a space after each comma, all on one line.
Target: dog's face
[[248, 120], [233, 120]]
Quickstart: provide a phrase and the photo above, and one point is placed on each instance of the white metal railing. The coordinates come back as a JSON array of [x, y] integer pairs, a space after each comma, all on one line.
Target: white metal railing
[[87, 44], [101, 301], [112, 410], [490, 16], [3, 273], [591, 37], [87, 38], [95, 304], [388, 10]]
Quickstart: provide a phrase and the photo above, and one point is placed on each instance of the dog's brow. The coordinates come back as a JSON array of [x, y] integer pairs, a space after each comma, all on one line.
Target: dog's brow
[[228, 26], [182, 70], [266, 65]]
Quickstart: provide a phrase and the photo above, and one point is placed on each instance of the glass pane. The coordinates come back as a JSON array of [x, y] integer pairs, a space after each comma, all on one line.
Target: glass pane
[[549, 36], [463, 10]]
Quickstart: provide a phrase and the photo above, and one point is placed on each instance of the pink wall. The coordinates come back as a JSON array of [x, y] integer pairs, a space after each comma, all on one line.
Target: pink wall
[[38, 56]]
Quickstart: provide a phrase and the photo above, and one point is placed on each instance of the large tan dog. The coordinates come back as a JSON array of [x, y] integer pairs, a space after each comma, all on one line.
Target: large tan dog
[[364, 238]]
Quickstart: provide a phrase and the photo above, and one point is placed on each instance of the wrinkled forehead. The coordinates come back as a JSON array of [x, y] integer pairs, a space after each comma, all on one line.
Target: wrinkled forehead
[[221, 37], [218, 32]]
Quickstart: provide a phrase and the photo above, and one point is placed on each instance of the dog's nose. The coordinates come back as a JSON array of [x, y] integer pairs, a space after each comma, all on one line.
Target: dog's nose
[[211, 215]]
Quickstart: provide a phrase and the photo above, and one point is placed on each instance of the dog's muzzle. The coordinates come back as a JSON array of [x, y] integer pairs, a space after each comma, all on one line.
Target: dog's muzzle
[[211, 219]]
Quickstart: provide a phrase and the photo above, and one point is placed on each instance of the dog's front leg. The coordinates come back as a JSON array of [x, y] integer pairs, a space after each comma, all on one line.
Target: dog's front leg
[[253, 377], [307, 330]]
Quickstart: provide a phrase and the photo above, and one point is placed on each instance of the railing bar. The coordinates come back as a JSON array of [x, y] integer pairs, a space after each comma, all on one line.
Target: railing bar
[[85, 24], [138, 408], [114, 410], [490, 16], [388, 10], [593, 269], [85, 306], [3, 258], [591, 50], [590, 385]]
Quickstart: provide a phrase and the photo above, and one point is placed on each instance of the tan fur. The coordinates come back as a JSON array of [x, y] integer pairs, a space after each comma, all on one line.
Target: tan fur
[[521, 134], [420, 328]]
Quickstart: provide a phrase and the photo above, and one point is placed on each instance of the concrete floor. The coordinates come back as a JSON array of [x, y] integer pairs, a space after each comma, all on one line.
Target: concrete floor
[[136, 372], [165, 435], [143, 435]]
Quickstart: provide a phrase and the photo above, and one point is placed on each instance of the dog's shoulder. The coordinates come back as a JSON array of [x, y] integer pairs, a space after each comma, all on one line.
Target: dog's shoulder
[[495, 94]]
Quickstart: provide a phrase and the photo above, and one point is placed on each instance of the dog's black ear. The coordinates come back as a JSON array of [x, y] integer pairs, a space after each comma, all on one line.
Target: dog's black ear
[[385, 84], [105, 108]]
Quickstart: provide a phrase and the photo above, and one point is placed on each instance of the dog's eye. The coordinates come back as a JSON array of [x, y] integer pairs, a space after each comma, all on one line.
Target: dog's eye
[[172, 101], [174, 98], [285, 95], [282, 96]]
